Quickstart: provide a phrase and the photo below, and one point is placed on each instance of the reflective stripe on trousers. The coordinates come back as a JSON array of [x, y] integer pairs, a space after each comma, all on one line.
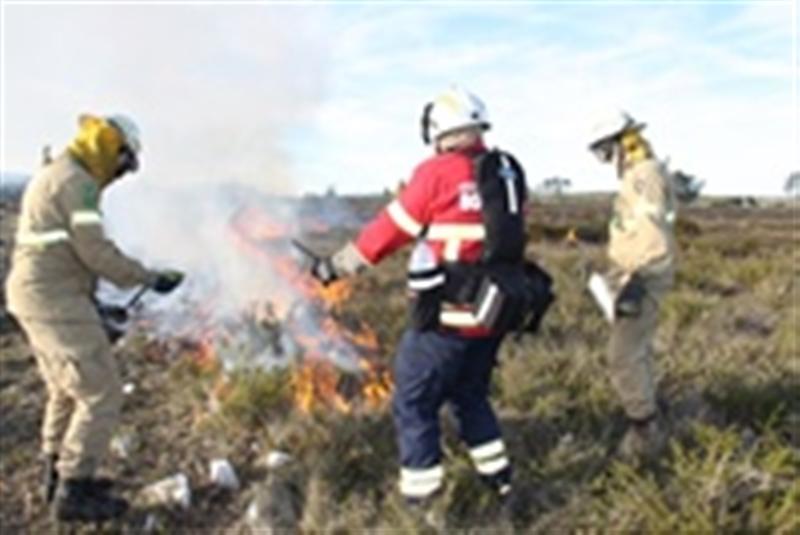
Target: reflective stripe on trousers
[[490, 458], [421, 482], [433, 368]]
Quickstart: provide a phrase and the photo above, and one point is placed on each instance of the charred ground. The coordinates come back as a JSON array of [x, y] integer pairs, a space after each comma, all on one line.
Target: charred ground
[[728, 367]]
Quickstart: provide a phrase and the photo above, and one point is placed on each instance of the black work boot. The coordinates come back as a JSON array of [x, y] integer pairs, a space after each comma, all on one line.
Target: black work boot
[[506, 499], [509, 507], [49, 476], [645, 440], [81, 500]]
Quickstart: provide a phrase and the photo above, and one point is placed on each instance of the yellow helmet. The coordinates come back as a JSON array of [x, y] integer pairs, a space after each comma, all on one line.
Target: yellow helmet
[[107, 146], [608, 130]]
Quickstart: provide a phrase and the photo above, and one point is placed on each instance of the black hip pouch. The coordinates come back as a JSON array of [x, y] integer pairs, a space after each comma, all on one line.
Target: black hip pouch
[[425, 308]]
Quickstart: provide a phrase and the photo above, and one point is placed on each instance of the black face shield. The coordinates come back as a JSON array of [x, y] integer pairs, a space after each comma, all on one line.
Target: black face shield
[[605, 149], [127, 162]]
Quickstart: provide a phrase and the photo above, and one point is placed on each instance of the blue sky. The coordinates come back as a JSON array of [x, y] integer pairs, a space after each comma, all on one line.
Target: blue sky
[[298, 97]]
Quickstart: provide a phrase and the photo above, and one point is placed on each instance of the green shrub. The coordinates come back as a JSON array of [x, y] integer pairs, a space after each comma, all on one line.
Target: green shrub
[[718, 484], [255, 397]]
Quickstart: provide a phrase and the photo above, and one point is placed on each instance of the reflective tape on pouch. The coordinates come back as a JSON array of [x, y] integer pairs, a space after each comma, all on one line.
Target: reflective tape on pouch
[[40, 239], [469, 318], [458, 318], [488, 303], [422, 284]]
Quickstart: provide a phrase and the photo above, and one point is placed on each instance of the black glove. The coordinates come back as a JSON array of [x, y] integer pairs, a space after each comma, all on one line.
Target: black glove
[[166, 281], [322, 270], [629, 301]]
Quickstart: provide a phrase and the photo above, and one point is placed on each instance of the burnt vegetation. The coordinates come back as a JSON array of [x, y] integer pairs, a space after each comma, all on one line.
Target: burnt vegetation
[[727, 357]]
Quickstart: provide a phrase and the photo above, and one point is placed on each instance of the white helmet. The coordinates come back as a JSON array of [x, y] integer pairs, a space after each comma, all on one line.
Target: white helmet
[[611, 125], [452, 110], [130, 132]]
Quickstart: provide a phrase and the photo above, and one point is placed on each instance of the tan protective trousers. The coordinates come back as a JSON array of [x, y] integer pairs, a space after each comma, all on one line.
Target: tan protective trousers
[[631, 360], [84, 393]]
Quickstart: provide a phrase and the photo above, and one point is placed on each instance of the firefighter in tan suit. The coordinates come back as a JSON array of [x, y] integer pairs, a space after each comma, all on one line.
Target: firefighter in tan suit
[[60, 252], [641, 251]]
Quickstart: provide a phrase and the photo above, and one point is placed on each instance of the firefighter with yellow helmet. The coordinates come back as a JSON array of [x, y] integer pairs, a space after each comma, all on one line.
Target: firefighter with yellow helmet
[[642, 254], [61, 250]]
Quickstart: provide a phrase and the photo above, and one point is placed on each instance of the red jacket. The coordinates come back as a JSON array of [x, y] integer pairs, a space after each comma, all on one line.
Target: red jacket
[[442, 200], [441, 196]]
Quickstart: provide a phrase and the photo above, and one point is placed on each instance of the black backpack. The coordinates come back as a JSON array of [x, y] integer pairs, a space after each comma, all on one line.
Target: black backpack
[[512, 293], [503, 191]]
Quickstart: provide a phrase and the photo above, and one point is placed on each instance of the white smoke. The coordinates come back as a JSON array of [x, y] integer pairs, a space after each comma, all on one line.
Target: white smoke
[[210, 156]]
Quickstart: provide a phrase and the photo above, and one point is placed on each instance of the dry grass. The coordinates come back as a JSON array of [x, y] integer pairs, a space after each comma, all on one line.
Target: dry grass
[[726, 353]]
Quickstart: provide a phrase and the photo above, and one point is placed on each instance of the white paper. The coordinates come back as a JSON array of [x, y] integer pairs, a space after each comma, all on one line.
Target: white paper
[[602, 295], [223, 475], [172, 490], [277, 458]]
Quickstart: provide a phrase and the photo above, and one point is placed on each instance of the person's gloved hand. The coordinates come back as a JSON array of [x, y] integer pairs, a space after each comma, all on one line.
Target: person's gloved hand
[[167, 281], [629, 300], [322, 269]]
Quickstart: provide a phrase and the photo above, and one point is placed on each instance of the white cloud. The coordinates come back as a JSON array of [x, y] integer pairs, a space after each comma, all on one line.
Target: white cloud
[[720, 107], [318, 95], [214, 87]]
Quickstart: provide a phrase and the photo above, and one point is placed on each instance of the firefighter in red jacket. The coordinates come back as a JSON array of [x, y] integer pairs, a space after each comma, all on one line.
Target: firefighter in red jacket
[[440, 209]]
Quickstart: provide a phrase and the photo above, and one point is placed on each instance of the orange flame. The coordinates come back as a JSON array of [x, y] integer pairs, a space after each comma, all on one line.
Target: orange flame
[[316, 386], [378, 387], [205, 359], [317, 383]]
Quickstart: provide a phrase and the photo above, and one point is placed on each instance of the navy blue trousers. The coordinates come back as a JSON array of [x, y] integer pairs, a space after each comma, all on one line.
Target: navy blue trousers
[[433, 368]]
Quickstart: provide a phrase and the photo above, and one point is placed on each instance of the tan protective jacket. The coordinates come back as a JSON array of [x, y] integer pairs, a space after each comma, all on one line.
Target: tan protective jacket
[[61, 248], [641, 233]]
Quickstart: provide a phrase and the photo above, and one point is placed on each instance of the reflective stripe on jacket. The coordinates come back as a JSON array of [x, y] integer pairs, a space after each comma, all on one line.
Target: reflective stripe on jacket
[[441, 200]]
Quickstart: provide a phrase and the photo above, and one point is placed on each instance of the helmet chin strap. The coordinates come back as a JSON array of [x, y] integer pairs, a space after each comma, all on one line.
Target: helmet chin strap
[[425, 123], [619, 158]]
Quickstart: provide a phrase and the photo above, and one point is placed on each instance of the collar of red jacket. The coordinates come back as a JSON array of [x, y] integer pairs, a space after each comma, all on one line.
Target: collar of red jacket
[[472, 150]]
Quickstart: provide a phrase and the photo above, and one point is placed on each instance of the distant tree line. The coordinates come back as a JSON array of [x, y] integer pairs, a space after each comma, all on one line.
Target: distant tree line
[[554, 186]]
